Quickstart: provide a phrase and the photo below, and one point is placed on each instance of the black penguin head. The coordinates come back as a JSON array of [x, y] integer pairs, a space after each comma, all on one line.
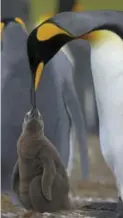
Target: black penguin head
[[42, 44], [6, 21]]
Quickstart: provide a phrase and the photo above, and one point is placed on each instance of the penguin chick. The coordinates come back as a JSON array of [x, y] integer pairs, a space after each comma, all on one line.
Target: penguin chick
[[39, 177]]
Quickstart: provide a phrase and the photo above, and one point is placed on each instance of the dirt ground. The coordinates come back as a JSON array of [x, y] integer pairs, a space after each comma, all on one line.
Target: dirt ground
[[100, 187]]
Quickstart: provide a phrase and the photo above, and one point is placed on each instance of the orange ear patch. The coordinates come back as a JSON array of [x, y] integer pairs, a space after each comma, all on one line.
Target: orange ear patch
[[48, 30], [97, 36], [20, 21], [1, 26], [92, 37], [38, 74], [77, 7]]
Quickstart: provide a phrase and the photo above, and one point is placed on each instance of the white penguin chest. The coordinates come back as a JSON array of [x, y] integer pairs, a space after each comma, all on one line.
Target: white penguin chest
[[107, 71]]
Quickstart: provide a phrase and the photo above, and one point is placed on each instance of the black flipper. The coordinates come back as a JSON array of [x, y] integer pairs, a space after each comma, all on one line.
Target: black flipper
[[15, 178], [49, 172]]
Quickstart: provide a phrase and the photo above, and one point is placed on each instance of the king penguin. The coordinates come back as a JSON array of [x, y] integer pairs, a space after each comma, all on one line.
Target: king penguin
[[104, 31], [56, 98], [76, 51]]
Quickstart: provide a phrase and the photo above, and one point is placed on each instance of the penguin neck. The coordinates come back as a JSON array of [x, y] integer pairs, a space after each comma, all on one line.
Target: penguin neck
[[107, 72], [101, 37]]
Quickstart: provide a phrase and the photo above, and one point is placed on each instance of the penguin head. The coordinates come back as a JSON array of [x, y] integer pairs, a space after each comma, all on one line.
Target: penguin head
[[42, 44], [6, 21], [33, 121], [9, 22], [48, 38]]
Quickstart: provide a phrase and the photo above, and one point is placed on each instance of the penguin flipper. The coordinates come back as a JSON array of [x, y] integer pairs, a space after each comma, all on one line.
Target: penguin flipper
[[15, 177], [49, 172], [74, 110]]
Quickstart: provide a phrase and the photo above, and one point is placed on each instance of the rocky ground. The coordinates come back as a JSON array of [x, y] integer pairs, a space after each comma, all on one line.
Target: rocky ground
[[97, 196]]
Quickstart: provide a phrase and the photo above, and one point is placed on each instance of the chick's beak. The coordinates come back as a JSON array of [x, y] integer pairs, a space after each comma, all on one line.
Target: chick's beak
[[35, 114]]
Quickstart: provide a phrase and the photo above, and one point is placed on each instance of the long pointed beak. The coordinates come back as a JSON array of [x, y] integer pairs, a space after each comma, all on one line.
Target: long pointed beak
[[38, 74]]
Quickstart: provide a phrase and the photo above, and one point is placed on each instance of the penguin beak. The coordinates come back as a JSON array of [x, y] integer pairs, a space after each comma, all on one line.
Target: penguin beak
[[33, 117], [35, 114], [38, 74]]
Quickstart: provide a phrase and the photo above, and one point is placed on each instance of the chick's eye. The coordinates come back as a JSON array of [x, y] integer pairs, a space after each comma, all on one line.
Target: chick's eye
[[27, 115]]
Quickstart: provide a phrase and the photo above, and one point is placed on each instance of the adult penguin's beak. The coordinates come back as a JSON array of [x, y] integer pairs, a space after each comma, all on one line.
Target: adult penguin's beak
[[38, 74]]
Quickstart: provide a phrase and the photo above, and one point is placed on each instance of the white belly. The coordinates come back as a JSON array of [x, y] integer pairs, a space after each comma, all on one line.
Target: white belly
[[107, 70]]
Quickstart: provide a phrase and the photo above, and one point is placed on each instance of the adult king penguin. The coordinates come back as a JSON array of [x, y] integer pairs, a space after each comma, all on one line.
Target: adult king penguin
[[104, 31], [15, 84], [59, 114], [77, 79], [76, 51]]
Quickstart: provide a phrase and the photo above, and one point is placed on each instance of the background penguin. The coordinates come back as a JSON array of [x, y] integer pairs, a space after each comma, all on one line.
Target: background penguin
[[58, 110], [39, 178], [15, 85], [104, 31]]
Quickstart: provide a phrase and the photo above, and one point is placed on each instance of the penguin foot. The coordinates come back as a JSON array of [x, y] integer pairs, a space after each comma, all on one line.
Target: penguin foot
[[119, 209]]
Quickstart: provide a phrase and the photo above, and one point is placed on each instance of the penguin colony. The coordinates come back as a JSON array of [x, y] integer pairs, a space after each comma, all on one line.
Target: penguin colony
[[104, 31]]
